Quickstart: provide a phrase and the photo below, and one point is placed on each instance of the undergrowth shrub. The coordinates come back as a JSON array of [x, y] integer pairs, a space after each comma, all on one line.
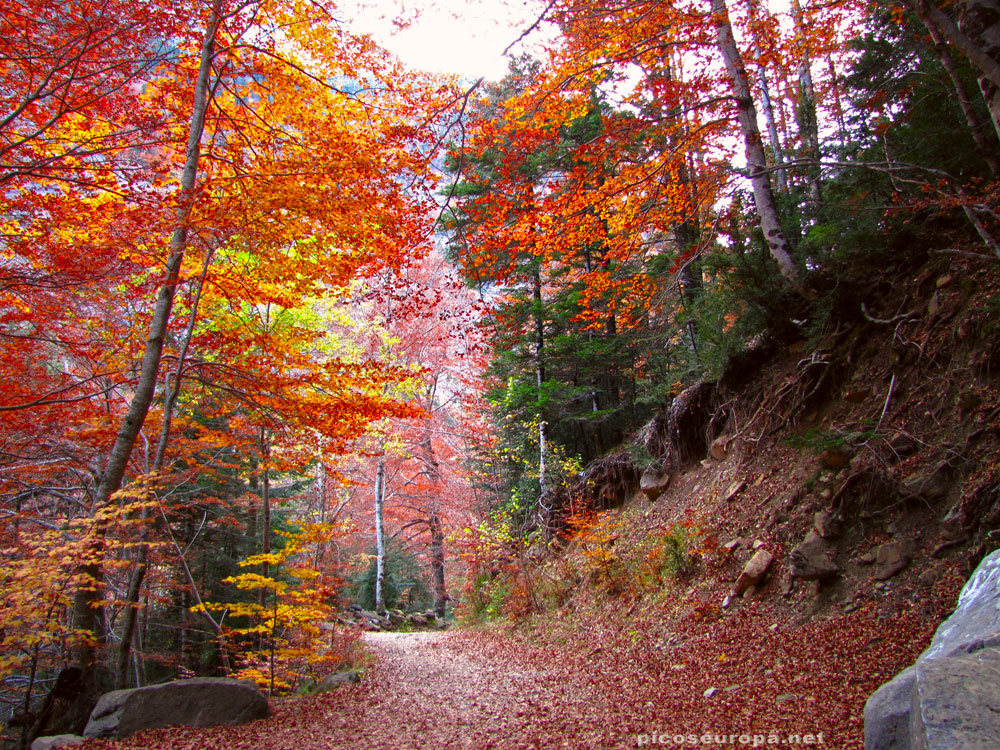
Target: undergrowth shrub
[[671, 552]]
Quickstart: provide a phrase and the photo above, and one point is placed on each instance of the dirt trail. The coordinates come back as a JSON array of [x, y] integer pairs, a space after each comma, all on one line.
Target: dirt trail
[[436, 693], [424, 691]]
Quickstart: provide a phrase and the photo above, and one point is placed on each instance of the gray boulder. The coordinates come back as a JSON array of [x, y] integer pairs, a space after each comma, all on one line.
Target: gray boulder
[[951, 697], [812, 560], [201, 702], [54, 741], [956, 702], [887, 713], [336, 679], [891, 558]]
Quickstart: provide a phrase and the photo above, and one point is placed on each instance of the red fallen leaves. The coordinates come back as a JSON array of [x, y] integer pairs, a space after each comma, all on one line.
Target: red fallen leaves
[[548, 687]]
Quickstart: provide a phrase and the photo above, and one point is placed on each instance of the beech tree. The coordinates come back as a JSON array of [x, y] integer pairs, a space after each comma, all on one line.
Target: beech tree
[[246, 212]]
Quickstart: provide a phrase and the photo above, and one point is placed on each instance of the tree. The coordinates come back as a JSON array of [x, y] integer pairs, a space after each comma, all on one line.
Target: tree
[[233, 215], [746, 114]]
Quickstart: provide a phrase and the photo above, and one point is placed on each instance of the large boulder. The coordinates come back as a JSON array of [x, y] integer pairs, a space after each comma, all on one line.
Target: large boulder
[[951, 697], [891, 558], [653, 483], [336, 679], [812, 560], [754, 571], [56, 741], [201, 702]]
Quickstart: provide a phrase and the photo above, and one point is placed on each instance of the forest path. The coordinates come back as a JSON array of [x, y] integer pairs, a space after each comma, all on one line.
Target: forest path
[[437, 691], [431, 691]]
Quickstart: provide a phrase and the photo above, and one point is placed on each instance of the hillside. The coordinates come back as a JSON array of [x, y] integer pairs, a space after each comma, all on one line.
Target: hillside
[[883, 431]]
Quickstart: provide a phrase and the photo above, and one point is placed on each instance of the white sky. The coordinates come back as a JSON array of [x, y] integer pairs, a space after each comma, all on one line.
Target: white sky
[[445, 36]]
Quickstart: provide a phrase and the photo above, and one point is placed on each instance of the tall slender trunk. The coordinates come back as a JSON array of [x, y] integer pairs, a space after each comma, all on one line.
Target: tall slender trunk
[[838, 102], [172, 389], [87, 604], [437, 565], [266, 638], [265, 508], [978, 40], [766, 106], [986, 149], [380, 535], [536, 279], [432, 470], [807, 118], [746, 115]]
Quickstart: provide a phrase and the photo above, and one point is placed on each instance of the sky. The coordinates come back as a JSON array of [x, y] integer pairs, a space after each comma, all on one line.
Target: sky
[[464, 38]]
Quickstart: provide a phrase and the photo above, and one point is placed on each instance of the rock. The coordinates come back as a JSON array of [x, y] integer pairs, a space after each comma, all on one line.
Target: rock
[[954, 522], [811, 560], [826, 524], [720, 447], [868, 558], [929, 485], [835, 458], [944, 281], [969, 401], [951, 697], [787, 584], [734, 489], [750, 592], [729, 547], [787, 698], [928, 578], [890, 559], [417, 619], [903, 445], [373, 621], [754, 571], [59, 740], [710, 692], [654, 483], [887, 713], [757, 544], [727, 601], [201, 702], [934, 306], [335, 680], [956, 702]]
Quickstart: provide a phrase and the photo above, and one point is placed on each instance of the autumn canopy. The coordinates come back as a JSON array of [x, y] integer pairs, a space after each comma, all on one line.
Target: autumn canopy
[[286, 326]]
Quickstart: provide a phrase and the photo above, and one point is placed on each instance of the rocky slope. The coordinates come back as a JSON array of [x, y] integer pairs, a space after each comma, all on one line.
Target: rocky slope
[[842, 486]]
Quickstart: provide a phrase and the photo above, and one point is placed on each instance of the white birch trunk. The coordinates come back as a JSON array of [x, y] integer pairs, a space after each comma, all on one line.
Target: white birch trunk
[[746, 115], [380, 535]]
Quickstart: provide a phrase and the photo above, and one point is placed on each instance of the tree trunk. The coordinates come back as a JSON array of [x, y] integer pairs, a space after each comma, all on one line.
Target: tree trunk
[[807, 119], [432, 470], [746, 115], [380, 535], [986, 149], [978, 40], [540, 379], [768, 108], [265, 508], [838, 102], [138, 575], [437, 566], [87, 601]]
